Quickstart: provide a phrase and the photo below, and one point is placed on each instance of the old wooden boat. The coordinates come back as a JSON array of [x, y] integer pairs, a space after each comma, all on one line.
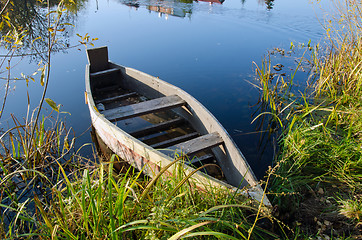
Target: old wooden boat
[[149, 122]]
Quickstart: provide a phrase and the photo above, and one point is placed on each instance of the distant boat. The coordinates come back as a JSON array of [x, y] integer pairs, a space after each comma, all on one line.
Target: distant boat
[[149, 122]]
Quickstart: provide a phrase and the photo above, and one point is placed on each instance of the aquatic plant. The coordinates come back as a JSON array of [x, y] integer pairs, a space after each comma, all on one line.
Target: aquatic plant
[[30, 172], [32, 147]]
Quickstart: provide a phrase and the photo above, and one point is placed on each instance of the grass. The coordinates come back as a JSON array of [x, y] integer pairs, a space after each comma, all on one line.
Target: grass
[[100, 204], [46, 191], [29, 172], [319, 165]]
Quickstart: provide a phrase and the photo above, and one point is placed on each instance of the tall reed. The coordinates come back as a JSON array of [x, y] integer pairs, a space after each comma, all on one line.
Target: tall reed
[[29, 172], [320, 145], [100, 204]]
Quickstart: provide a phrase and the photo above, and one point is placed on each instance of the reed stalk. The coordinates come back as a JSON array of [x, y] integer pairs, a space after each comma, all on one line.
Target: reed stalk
[[100, 203], [320, 143]]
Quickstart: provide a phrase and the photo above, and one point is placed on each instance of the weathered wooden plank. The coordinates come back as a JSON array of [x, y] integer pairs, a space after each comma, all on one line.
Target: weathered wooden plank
[[142, 108], [120, 97], [238, 172], [197, 144], [104, 72], [157, 127], [176, 140], [108, 88], [98, 58]]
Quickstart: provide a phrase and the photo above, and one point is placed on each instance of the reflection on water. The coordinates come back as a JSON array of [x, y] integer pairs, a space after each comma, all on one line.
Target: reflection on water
[[177, 8], [210, 57], [269, 3], [31, 18], [212, 1], [180, 8]]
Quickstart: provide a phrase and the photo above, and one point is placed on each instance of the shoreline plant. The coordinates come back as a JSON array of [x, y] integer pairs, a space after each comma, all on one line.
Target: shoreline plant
[[32, 147], [48, 191], [102, 204], [317, 179]]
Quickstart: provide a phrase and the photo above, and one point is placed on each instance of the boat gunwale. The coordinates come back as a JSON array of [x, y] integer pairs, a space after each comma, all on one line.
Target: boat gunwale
[[248, 175], [253, 190], [102, 118]]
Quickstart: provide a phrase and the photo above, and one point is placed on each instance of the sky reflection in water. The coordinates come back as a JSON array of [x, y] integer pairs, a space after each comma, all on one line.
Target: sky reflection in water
[[205, 48]]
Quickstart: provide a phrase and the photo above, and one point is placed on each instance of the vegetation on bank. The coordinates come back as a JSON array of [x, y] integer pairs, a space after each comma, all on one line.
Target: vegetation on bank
[[318, 170], [101, 204], [48, 191]]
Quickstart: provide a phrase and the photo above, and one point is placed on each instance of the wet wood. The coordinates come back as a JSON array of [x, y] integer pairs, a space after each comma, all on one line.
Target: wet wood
[[174, 141], [158, 127], [104, 72], [117, 98], [198, 144], [142, 108]]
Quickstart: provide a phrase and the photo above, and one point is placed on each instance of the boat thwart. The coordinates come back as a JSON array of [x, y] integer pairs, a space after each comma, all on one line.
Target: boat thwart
[[148, 122]]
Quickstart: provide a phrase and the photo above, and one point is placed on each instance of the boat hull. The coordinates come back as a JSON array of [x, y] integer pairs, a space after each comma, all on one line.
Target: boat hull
[[140, 155]]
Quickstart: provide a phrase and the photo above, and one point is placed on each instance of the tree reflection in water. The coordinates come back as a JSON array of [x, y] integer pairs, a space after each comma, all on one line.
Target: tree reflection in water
[[29, 17]]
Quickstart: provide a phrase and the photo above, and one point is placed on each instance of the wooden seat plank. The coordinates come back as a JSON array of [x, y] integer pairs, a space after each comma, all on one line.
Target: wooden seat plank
[[108, 88], [138, 109], [119, 97], [157, 127], [176, 140], [201, 159], [195, 145], [104, 72]]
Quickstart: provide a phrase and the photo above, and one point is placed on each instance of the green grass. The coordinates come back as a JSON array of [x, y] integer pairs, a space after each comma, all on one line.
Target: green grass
[[28, 172], [319, 165], [47, 191], [100, 204]]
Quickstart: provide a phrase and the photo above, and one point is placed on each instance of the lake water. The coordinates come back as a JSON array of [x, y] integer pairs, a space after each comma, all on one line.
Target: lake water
[[205, 48]]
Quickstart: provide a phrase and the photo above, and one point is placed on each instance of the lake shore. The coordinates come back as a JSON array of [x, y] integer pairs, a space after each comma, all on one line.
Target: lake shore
[[49, 190]]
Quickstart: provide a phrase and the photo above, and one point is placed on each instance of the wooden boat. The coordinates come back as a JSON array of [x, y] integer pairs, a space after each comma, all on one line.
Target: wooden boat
[[148, 122]]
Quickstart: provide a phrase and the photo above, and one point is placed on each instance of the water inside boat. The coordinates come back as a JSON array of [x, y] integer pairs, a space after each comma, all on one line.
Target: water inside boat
[[160, 129]]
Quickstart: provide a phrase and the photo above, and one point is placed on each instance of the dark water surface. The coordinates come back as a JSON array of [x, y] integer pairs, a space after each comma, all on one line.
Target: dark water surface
[[205, 48]]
